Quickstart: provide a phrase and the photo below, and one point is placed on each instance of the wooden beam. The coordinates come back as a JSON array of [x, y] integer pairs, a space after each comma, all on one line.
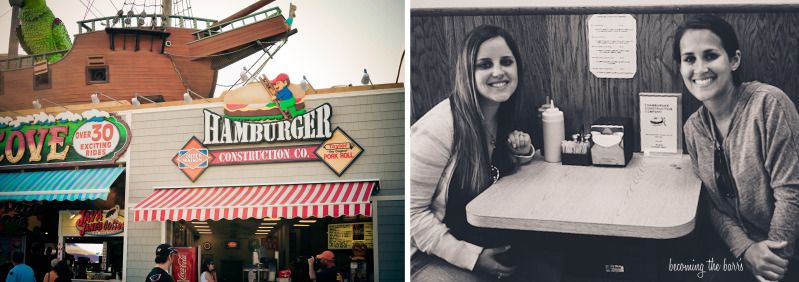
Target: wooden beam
[[243, 12]]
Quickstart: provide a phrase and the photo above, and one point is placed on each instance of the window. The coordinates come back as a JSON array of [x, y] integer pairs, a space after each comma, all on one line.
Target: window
[[96, 74], [41, 75], [96, 70]]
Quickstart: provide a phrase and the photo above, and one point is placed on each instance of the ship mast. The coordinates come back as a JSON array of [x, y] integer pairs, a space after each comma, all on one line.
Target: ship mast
[[166, 9], [13, 41]]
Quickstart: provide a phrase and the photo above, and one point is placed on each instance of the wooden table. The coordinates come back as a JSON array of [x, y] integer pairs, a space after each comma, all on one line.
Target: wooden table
[[653, 197]]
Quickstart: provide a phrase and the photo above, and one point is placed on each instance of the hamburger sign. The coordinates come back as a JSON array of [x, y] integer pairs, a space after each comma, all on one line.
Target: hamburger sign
[[66, 139], [269, 111]]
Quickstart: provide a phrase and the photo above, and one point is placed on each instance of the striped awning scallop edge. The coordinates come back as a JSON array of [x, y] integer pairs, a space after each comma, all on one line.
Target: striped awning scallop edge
[[58, 185], [259, 201]]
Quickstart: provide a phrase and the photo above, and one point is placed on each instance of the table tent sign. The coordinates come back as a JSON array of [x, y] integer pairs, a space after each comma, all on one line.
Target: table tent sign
[[254, 114], [66, 139]]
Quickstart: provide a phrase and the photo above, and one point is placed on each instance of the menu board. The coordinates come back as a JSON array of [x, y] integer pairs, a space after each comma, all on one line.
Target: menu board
[[341, 236]]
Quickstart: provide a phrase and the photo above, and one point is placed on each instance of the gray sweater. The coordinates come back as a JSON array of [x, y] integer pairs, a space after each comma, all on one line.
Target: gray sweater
[[762, 149]]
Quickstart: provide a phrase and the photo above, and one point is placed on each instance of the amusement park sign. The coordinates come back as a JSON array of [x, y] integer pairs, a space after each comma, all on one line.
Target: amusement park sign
[[66, 139]]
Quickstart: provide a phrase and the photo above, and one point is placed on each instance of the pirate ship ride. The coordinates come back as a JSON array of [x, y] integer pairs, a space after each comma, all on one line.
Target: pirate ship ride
[[157, 56]]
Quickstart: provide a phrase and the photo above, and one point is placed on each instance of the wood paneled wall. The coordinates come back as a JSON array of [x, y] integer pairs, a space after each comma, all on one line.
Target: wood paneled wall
[[553, 46]]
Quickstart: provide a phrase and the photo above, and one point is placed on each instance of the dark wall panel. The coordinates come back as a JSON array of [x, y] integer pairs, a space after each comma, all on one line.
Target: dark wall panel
[[391, 222], [555, 53]]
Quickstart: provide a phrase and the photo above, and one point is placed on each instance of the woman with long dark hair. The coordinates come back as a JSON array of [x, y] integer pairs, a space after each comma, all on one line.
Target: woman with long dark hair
[[458, 149], [744, 144], [208, 271]]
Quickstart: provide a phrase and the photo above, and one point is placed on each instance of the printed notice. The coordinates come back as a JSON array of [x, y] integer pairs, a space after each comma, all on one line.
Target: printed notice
[[341, 236], [660, 129], [611, 45]]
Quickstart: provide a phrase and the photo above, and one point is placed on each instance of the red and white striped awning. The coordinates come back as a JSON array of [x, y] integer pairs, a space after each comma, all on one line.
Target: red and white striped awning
[[272, 201]]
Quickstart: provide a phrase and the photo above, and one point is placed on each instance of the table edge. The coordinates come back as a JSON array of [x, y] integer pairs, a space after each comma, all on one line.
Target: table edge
[[649, 232]]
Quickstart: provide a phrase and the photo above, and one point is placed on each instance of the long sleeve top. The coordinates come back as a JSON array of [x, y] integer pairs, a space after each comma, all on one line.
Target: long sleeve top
[[762, 150], [431, 138]]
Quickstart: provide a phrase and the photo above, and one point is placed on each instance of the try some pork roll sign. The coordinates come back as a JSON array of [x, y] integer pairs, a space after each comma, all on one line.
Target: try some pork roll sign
[[338, 151], [66, 139]]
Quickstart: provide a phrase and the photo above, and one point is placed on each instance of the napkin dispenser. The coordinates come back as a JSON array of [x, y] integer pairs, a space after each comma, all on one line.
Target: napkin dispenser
[[613, 141]]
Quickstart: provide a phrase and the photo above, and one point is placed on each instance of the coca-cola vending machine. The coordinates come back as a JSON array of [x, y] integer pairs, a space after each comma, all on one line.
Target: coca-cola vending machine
[[184, 265]]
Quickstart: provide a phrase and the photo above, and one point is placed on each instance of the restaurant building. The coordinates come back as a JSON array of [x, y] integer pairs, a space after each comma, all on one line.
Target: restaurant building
[[258, 198]]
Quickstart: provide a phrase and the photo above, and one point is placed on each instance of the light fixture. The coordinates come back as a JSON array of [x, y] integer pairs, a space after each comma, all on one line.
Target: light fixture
[[271, 219], [96, 99], [38, 105], [301, 225], [365, 79], [244, 75], [188, 99], [135, 100], [261, 233], [268, 223], [264, 228], [308, 221], [198, 222], [305, 84]]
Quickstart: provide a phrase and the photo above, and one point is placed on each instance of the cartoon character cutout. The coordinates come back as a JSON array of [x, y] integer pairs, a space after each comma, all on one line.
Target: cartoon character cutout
[[265, 100], [285, 98]]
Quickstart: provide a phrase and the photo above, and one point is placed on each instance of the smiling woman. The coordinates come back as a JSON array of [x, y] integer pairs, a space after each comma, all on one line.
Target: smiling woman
[[456, 156], [744, 147]]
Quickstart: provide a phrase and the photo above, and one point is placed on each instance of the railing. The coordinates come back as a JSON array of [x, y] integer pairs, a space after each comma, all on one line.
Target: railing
[[238, 23], [26, 61], [144, 21]]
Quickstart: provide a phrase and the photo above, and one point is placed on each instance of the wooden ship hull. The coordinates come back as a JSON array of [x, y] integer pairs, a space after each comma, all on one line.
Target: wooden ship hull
[[152, 62]]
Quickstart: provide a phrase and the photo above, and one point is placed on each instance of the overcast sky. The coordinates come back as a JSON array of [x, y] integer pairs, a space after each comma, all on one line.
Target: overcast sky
[[335, 42], [431, 4]]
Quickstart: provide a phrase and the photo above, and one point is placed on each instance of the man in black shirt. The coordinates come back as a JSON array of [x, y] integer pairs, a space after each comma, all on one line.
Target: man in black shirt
[[163, 261], [327, 269]]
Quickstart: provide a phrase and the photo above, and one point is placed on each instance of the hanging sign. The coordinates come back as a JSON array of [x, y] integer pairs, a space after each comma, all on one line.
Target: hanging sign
[[338, 151], [101, 222], [66, 139]]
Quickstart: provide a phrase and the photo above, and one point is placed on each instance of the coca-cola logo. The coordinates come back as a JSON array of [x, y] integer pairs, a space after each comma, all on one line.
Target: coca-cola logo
[[183, 265]]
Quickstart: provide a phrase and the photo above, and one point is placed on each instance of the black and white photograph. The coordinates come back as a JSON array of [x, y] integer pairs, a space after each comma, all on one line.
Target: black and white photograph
[[618, 141]]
